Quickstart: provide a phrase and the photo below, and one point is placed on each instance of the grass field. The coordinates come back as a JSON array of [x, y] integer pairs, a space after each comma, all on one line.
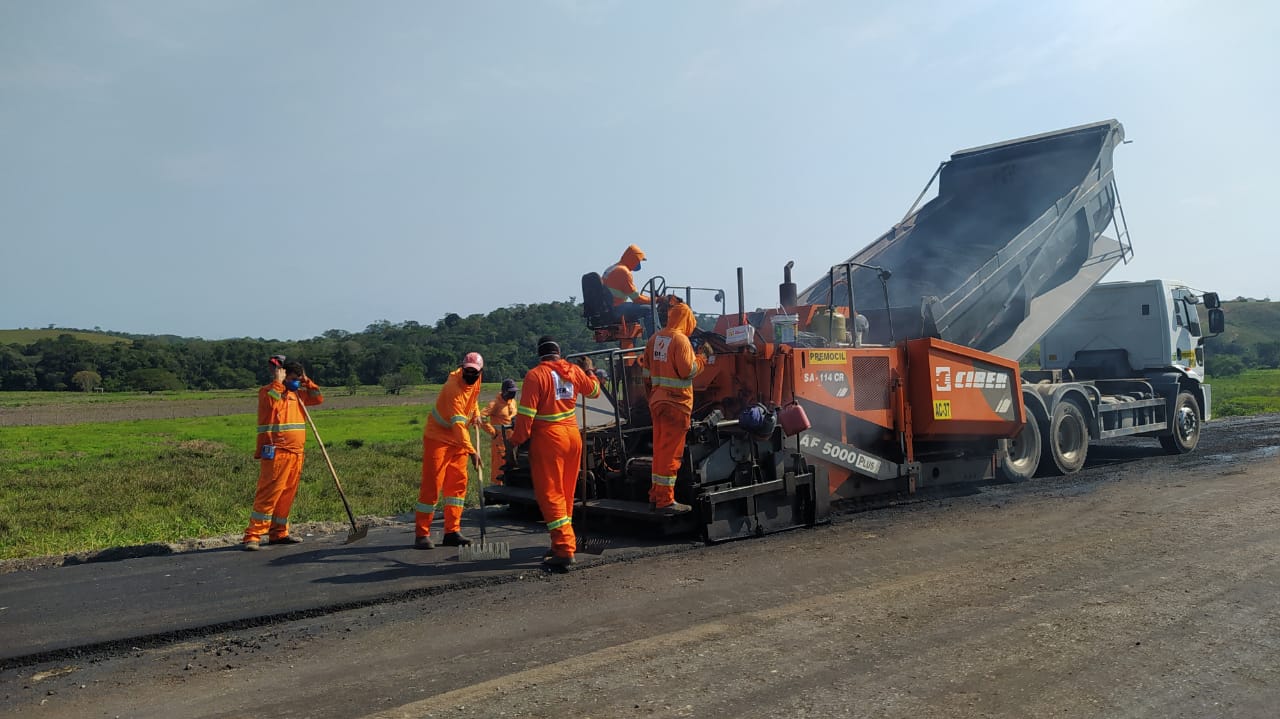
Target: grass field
[[89, 486], [1255, 391]]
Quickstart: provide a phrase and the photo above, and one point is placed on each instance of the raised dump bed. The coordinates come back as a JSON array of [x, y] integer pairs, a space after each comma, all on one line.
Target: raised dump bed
[[1013, 239]]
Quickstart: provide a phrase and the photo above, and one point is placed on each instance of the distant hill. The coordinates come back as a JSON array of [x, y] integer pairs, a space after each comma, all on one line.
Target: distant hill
[[1251, 323], [28, 337]]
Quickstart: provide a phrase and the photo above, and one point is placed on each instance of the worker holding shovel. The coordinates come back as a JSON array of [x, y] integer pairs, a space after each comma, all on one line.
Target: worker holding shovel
[[446, 448], [282, 434]]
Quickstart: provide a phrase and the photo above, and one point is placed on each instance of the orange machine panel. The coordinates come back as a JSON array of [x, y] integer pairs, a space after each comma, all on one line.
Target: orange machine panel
[[957, 391]]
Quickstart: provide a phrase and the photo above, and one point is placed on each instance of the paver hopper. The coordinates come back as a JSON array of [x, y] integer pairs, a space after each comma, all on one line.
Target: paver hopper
[[1013, 239]]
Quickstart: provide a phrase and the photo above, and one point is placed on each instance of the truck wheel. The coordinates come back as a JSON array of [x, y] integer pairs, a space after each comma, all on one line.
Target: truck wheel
[[1186, 425], [1022, 454], [1066, 443]]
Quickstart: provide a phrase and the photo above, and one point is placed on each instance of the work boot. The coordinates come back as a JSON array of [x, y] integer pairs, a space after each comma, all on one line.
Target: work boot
[[290, 539], [455, 539], [673, 509], [558, 561], [251, 545], [423, 543]]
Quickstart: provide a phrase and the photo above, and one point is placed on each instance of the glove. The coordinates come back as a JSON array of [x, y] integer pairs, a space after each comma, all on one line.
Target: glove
[[292, 384]]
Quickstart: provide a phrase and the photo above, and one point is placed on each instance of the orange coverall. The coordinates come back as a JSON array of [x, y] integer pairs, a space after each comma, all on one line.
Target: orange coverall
[[281, 424], [619, 280], [672, 365], [546, 418], [499, 412], [446, 446]]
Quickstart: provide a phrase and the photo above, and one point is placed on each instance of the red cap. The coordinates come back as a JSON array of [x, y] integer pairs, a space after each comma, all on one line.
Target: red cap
[[473, 360]]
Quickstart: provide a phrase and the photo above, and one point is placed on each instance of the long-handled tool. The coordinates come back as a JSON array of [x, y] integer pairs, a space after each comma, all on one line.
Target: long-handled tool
[[357, 532], [482, 550]]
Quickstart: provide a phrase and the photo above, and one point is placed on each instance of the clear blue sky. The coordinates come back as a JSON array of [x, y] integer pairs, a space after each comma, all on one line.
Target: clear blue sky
[[276, 169]]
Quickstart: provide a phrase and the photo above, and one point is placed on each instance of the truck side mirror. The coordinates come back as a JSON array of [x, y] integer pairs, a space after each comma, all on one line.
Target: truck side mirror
[[1217, 319], [1211, 301]]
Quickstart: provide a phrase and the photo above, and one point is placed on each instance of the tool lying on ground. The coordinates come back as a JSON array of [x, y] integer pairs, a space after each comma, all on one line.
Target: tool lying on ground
[[482, 550], [357, 532]]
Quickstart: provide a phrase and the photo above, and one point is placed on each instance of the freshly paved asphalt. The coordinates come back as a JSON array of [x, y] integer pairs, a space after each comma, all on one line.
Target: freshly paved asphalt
[[65, 611]]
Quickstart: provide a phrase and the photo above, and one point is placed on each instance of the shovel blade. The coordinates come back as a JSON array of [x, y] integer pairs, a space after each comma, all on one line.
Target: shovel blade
[[483, 552], [357, 533]]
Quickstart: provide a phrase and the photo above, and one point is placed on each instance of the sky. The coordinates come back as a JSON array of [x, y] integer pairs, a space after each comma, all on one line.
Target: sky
[[227, 168]]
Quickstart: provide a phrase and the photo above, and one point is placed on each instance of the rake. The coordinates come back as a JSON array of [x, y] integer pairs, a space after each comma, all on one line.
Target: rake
[[357, 532], [482, 551]]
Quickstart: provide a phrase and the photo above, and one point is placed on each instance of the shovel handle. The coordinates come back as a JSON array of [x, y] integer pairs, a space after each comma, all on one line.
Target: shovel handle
[[327, 461]]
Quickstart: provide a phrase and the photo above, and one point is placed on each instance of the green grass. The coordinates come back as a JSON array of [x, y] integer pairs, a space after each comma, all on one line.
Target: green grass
[[1254, 391], [26, 337], [70, 488], [42, 399]]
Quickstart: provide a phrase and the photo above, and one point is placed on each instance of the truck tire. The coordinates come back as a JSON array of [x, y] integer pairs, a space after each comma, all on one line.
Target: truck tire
[[1185, 433], [1022, 454], [1066, 441]]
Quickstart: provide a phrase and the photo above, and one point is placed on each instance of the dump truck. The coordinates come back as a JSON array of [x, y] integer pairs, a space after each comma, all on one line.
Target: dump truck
[[804, 404]]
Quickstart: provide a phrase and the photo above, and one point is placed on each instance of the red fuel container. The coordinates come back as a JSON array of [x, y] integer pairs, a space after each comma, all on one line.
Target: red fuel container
[[793, 419]]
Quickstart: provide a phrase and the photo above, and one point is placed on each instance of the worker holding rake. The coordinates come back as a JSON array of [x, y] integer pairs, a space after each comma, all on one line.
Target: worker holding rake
[[282, 434], [446, 448]]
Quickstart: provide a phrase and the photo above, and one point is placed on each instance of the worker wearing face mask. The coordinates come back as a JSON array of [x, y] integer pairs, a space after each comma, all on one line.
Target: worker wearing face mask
[[628, 303], [498, 414], [282, 434], [446, 448]]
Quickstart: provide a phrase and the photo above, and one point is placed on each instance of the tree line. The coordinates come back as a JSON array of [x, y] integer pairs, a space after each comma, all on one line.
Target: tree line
[[393, 355]]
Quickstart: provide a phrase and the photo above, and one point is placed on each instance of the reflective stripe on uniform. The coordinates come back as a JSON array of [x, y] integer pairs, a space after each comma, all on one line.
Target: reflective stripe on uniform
[[555, 417], [274, 394], [455, 502], [526, 411], [557, 523], [670, 382], [595, 390], [457, 419], [301, 426], [282, 521], [259, 516], [424, 508], [663, 480]]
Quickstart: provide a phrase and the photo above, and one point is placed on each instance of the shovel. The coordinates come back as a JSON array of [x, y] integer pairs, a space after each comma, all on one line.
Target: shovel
[[357, 532], [482, 550]]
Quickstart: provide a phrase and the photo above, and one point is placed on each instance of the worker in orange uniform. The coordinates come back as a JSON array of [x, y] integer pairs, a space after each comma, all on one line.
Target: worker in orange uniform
[[446, 448], [628, 303], [498, 414], [282, 435], [546, 418], [672, 364]]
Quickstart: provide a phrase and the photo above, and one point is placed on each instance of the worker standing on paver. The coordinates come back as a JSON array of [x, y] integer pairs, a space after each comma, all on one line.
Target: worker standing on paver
[[628, 303], [499, 413], [446, 448], [282, 435], [547, 418], [672, 364]]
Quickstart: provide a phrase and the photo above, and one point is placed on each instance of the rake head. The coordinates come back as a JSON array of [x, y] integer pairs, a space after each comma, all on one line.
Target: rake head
[[593, 545], [484, 551]]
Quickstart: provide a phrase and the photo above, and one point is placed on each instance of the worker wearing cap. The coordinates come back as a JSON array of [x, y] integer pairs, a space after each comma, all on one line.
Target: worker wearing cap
[[494, 417], [446, 447], [282, 434], [628, 303], [672, 364], [546, 417]]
